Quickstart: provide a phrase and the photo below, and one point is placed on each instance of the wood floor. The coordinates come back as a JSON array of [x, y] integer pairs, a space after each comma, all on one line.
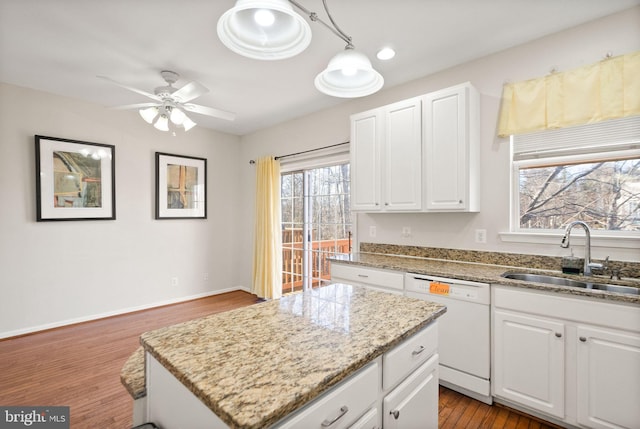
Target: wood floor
[[79, 366]]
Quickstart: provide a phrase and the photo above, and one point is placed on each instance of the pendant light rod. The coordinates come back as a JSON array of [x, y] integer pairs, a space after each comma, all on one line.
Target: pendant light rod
[[334, 27]]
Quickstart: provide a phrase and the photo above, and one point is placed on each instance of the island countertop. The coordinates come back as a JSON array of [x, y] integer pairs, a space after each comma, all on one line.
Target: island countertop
[[255, 365]]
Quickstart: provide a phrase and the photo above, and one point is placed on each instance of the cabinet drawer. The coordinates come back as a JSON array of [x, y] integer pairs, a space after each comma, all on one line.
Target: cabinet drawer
[[370, 276], [341, 406], [399, 362], [371, 420], [414, 403]]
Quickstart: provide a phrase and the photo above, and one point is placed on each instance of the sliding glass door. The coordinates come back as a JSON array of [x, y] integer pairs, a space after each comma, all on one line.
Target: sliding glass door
[[316, 224]]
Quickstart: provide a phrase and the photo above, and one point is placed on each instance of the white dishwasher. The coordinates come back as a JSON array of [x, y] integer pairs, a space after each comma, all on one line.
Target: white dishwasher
[[463, 331]]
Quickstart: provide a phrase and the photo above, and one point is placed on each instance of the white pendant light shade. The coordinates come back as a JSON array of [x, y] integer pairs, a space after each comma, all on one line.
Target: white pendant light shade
[[149, 114], [162, 123], [188, 123], [349, 75], [264, 29]]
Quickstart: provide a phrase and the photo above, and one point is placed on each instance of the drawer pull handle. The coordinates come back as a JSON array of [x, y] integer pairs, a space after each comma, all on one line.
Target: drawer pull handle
[[343, 410], [558, 334], [395, 414], [364, 276], [417, 351], [583, 339]]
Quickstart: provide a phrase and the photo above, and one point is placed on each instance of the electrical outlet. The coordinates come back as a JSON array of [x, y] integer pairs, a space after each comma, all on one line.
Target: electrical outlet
[[372, 231], [174, 281], [205, 277], [481, 235], [406, 231]]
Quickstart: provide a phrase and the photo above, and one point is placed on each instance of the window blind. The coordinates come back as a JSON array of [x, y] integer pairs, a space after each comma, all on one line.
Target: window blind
[[607, 136]]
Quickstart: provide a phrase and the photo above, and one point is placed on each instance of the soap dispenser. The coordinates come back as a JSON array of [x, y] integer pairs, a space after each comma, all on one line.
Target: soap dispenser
[[572, 264]]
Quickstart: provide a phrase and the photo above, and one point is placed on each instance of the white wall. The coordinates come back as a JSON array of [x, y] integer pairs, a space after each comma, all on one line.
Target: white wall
[[572, 48], [55, 272]]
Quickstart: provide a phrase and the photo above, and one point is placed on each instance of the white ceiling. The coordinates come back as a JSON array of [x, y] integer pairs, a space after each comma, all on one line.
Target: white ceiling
[[60, 46]]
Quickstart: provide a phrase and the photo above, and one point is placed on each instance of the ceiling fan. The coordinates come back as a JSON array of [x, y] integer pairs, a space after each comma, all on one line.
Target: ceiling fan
[[171, 104]]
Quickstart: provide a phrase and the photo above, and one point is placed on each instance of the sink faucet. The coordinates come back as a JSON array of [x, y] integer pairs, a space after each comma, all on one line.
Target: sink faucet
[[588, 265]]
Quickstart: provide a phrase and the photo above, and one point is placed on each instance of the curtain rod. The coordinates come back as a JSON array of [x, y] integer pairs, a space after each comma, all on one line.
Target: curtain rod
[[304, 151]]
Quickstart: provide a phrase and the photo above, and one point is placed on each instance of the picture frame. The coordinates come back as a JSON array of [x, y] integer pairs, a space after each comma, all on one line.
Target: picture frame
[[181, 187], [75, 180]]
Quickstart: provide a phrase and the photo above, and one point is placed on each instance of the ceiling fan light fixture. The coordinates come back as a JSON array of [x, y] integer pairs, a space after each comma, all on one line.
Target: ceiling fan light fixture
[[149, 114], [264, 29], [177, 116], [349, 75], [162, 123], [188, 123]]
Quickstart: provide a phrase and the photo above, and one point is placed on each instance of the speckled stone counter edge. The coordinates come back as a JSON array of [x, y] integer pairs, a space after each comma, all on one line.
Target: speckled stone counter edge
[[629, 269]]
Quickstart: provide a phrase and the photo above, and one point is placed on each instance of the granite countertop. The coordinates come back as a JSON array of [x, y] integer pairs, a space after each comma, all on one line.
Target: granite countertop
[[486, 273], [255, 365]]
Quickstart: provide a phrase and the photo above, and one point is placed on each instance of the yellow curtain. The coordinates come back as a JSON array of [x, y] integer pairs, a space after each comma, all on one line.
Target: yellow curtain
[[267, 249], [608, 89]]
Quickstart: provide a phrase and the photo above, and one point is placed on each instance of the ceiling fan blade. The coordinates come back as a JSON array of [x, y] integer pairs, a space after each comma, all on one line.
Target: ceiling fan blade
[[134, 106], [209, 111], [130, 88], [189, 92]]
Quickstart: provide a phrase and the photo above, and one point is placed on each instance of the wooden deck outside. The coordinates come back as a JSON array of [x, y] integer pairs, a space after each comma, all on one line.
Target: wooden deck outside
[[292, 259]]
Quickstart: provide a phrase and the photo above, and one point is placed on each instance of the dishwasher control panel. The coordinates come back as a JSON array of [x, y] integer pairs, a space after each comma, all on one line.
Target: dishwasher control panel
[[457, 289]]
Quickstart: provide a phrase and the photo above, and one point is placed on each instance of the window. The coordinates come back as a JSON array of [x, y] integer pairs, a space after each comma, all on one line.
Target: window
[[316, 224], [589, 173]]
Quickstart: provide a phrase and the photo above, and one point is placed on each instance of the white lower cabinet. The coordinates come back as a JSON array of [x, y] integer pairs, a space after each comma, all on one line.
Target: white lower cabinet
[[414, 403], [575, 361], [608, 378], [529, 361], [342, 406], [371, 420], [372, 278]]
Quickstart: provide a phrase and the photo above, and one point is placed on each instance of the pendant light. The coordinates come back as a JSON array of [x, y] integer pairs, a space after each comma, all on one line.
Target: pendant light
[[349, 75], [264, 29], [270, 30]]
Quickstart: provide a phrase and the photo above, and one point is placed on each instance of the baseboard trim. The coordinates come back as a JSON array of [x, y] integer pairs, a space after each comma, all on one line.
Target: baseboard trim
[[48, 326]]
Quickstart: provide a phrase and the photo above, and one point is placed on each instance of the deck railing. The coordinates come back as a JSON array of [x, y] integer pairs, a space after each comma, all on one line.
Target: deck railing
[[321, 251]]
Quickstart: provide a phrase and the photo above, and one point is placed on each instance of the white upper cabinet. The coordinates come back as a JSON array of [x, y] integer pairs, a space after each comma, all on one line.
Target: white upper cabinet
[[419, 154], [386, 153], [365, 160], [451, 149]]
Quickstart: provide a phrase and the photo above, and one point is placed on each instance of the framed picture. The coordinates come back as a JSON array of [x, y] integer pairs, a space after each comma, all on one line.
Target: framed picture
[[75, 180], [181, 187]]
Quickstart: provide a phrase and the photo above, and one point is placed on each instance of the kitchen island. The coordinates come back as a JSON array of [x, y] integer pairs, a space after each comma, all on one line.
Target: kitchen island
[[273, 362]]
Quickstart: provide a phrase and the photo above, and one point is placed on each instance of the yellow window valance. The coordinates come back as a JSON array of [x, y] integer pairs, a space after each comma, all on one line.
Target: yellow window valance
[[606, 90]]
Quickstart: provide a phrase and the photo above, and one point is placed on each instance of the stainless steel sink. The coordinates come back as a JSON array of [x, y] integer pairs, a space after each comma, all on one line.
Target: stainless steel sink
[[561, 281]]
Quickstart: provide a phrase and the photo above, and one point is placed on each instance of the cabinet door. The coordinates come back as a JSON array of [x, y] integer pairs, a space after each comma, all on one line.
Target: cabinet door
[[365, 160], [414, 403], [529, 361], [402, 158], [451, 164], [608, 378]]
